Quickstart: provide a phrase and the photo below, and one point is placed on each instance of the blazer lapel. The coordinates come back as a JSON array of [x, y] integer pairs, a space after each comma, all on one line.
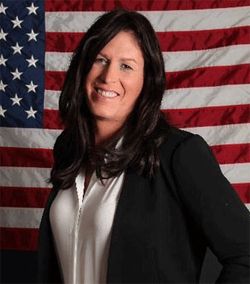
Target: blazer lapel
[[115, 255], [129, 252]]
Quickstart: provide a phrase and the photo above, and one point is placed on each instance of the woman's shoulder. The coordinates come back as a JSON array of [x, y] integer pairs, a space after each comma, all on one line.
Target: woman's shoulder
[[175, 136], [181, 142], [178, 134], [186, 150]]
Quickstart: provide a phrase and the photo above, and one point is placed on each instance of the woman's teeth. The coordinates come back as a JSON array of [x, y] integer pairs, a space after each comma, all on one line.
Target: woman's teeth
[[107, 94]]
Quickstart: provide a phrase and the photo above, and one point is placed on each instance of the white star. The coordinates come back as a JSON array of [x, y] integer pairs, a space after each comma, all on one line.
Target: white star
[[2, 86], [32, 61], [32, 35], [3, 8], [31, 87], [32, 9], [2, 60], [17, 48], [16, 100], [31, 113], [3, 35], [16, 74], [2, 111], [16, 23]]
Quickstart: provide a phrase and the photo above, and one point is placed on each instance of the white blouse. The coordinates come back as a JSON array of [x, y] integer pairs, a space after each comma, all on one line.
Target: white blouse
[[81, 226]]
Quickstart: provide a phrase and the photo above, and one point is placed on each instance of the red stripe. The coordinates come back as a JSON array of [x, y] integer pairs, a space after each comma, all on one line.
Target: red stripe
[[19, 239], [51, 119], [205, 39], [195, 117], [27, 239], [199, 77], [26, 157], [225, 154], [29, 197], [243, 190], [232, 153], [62, 42], [169, 41], [140, 5], [37, 197], [54, 80], [208, 116], [209, 76]]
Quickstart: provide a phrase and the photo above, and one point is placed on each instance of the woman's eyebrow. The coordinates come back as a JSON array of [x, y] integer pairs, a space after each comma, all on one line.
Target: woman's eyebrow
[[128, 59], [103, 55], [121, 59]]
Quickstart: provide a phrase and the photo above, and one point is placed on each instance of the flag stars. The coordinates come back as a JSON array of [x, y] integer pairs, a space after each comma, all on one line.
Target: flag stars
[[3, 9], [31, 87], [17, 23], [16, 74], [2, 86], [3, 35], [32, 35], [31, 113], [16, 100], [2, 60], [32, 61], [32, 9], [2, 111], [20, 53], [17, 48]]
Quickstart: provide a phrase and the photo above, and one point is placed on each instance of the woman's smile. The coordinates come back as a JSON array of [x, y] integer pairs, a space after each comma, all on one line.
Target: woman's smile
[[106, 93], [115, 80]]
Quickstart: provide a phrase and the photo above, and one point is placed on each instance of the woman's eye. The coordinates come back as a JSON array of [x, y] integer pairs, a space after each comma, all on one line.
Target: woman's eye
[[125, 67], [101, 60]]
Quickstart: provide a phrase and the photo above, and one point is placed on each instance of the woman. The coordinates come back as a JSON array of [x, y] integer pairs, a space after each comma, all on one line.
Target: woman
[[134, 200]]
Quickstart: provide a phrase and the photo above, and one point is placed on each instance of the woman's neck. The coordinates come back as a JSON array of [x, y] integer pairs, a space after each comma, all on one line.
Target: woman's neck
[[105, 130]]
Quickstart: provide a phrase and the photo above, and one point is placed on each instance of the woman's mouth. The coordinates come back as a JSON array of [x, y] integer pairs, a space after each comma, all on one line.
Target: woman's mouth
[[106, 94]]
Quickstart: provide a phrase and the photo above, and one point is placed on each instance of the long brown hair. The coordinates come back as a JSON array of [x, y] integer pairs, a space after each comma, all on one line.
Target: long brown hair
[[145, 127]]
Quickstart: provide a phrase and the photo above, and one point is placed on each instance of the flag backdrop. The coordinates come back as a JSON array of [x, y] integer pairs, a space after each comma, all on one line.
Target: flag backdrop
[[206, 50]]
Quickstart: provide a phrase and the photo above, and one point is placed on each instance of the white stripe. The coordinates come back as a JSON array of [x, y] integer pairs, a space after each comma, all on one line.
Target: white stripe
[[206, 96], [37, 177], [28, 137], [177, 20], [203, 19], [173, 61], [28, 218], [70, 21], [57, 61], [248, 206], [225, 134], [20, 217], [214, 135], [51, 99], [221, 56], [24, 177], [237, 173], [185, 97]]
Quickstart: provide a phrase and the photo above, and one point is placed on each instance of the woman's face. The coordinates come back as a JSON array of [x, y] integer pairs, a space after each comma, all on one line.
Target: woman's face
[[115, 79]]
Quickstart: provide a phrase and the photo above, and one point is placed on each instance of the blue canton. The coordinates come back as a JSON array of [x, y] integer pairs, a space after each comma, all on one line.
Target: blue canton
[[22, 52]]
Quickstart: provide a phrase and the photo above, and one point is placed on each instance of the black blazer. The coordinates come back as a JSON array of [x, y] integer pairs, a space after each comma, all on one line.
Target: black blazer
[[162, 226]]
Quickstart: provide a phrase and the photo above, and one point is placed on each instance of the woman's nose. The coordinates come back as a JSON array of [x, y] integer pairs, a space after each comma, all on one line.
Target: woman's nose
[[109, 74]]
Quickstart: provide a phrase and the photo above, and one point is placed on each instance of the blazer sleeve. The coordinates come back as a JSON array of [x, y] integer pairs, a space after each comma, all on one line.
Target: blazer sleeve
[[215, 207]]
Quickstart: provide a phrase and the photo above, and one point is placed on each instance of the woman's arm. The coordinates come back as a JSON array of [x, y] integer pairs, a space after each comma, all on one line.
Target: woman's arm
[[215, 207]]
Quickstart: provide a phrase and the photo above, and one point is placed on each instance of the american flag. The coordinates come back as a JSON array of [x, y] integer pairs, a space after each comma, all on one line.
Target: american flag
[[206, 50]]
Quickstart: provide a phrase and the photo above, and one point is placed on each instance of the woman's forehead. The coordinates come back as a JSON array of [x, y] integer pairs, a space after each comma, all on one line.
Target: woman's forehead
[[123, 45]]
